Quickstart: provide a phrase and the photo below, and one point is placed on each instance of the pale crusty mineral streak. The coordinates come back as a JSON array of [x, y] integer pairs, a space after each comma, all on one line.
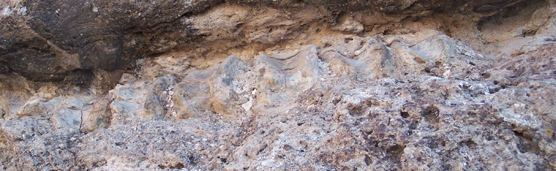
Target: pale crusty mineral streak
[[279, 85]]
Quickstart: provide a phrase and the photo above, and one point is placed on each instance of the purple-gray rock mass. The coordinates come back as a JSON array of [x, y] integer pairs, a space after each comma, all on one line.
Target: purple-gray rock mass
[[277, 85]]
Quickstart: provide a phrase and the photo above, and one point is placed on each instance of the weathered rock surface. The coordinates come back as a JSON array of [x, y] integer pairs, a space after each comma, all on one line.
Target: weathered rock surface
[[47, 40], [277, 85]]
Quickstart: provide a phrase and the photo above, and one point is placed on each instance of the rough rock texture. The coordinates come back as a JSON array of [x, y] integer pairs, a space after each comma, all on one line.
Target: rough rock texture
[[46, 40], [277, 85]]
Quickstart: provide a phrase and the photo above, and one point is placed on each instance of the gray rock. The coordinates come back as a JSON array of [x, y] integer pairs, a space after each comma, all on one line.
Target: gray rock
[[283, 85]]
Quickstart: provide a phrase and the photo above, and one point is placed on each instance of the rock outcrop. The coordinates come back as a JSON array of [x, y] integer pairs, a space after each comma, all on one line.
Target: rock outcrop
[[277, 85], [48, 40]]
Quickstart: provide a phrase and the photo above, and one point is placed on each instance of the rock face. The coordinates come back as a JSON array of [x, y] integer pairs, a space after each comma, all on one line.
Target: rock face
[[277, 85], [57, 37], [47, 40]]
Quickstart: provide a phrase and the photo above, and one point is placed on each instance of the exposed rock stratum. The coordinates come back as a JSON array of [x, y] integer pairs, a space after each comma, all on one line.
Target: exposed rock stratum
[[277, 85]]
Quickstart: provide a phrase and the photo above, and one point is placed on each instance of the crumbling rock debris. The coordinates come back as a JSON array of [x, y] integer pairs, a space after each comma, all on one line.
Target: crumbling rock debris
[[277, 85]]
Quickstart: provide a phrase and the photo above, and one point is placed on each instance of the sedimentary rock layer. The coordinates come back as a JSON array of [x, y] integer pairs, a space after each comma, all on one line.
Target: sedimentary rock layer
[[277, 85], [48, 40]]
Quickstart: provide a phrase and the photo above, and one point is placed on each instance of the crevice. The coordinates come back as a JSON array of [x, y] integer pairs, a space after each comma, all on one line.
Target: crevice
[[526, 143], [431, 114], [396, 152]]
